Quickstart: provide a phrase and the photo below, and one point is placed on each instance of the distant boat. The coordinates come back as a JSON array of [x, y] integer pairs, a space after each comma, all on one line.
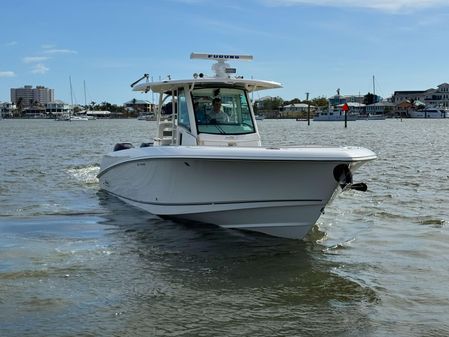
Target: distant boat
[[62, 118], [88, 114], [78, 118], [371, 117], [69, 117], [146, 117], [432, 113]]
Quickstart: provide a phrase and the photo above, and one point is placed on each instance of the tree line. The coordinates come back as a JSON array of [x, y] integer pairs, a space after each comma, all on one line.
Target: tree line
[[276, 103]]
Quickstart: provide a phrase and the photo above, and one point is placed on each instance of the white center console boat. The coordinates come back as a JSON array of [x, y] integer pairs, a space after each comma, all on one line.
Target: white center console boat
[[206, 163]]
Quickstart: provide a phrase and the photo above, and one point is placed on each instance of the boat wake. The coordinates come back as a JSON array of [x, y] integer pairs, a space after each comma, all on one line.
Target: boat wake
[[86, 174]]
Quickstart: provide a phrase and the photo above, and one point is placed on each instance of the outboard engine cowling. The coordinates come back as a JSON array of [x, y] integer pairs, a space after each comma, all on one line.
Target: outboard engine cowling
[[343, 176], [123, 146]]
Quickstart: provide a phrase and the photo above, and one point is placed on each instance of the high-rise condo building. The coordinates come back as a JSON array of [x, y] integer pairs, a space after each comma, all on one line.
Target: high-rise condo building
[[29, 96]]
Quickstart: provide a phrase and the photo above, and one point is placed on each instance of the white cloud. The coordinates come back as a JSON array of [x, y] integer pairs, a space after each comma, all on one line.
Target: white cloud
[[382, 5], [7, 74], [60, 51], [34, 59], [39, 69]]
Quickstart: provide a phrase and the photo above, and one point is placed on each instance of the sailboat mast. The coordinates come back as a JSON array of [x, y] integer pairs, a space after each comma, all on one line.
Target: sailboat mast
[[85, 103], [71, 91], [374, 90]]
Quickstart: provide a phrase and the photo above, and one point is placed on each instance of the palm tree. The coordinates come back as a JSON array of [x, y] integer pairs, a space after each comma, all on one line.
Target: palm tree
[[19, 106]]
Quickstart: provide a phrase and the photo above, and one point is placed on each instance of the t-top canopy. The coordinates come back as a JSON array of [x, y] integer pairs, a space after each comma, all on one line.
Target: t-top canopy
[[222, 77], [249, 85]]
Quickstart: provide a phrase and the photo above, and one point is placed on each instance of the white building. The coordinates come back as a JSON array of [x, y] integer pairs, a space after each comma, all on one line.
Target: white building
[[29, 96], [437, 97], [139, 105], [6, 109], [260, 103], [298, 107], [57, 107], [342, 99], [380, 108]]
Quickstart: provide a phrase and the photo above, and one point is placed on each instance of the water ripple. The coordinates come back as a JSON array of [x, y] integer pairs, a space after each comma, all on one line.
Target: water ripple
[[374, 264]]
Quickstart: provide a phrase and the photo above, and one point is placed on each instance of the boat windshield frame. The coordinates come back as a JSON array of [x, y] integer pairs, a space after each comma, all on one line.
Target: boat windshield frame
[[235, 116]]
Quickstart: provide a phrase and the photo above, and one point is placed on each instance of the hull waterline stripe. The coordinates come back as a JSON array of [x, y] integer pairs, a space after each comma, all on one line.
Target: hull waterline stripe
[[213, 202]]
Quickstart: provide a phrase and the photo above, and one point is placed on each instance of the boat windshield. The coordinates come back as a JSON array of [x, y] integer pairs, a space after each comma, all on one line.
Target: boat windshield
[[222, 111]]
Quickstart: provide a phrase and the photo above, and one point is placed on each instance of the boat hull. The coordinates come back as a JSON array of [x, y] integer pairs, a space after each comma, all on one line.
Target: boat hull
[[262, 191], [431, 114]]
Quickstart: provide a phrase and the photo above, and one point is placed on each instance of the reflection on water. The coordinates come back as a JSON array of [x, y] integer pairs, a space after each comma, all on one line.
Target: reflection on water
[[125, 272], [211, 280]]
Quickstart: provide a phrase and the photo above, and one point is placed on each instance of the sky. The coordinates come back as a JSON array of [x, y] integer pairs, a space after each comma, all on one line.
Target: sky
[[315, 46]]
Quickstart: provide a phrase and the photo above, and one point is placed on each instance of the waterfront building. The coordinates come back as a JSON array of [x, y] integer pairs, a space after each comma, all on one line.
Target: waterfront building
[[266, 102], [137, 105], [337, 100], [438, 97], [354, 108], [34, 112], [402, 109], [409, 95], [380, 108], [342, 99], [298, 107], [57, 108], [296, 110], [28, 96], [6, 109], [354, 99]]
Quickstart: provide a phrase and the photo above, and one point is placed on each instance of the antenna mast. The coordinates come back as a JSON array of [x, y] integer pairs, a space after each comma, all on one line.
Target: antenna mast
[[71, 91], [221, 68]]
